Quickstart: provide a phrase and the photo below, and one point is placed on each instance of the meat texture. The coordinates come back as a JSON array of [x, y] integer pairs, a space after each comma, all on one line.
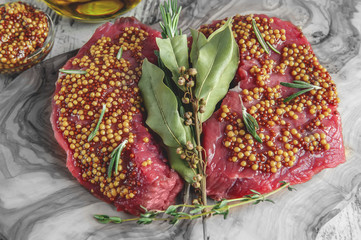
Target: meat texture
[[112, 59], [300, 137]]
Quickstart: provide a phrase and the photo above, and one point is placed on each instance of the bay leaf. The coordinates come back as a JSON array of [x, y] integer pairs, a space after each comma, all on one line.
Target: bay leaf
[[174, 54], [162, 107], [199, 40], [180, 165], [216, 61], [163, 117]]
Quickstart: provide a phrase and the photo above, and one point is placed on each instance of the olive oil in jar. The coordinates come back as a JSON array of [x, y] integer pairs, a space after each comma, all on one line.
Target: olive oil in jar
[[91, 10]]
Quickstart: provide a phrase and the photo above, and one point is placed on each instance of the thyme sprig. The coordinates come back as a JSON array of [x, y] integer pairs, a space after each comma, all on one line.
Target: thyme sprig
[[115, 155], [298, 84], [94, 132], [170, 14], [72, 71], [250, 123], [175, 213]]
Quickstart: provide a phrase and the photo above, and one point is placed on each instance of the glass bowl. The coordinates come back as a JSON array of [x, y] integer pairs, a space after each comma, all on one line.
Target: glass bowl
[[34, 57], [91, 11]]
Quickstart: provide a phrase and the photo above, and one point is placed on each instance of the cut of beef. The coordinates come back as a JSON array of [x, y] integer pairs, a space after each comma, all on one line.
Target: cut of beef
[[143, 178], [300, 137]]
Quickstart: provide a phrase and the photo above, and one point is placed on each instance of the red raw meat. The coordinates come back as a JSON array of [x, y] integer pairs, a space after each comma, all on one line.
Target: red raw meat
[[300, 137], [144, 178]]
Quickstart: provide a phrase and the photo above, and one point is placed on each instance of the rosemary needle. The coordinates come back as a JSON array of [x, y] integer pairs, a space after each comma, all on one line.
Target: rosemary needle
[[260, 39], [70, 71], [273, 48], [94, 132], [250, 123], [115, 155], [120, 53], [305, 86]]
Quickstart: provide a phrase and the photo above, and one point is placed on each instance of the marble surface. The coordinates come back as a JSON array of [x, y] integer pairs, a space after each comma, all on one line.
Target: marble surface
[[39, 199]]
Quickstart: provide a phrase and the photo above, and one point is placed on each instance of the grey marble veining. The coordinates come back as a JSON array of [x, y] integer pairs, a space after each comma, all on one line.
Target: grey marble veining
[[39, 199]]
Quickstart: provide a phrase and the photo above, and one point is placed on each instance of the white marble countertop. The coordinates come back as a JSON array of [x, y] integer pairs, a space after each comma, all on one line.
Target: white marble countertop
[[39, 199]]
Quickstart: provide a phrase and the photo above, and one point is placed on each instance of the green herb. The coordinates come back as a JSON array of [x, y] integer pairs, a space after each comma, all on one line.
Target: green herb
[[68, 71], [250, 123], [173, 215], [170, 14], [259, 36], [289, 187], [298, 84], [94, 132], [173, 53], [106, 219], [163, 116], [115, 157], [120, 53], [216, 60], [273, 48]]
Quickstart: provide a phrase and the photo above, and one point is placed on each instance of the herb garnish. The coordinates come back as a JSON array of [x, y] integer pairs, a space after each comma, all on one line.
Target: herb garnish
[[201, 80], [170, 14], [261, 40], [115, 155], [176, 109], [298, 84], [273, 48], [250, 123], [195, 211], [259, 36], [70, 71], [94, 132], [179, 95], [120, 53]]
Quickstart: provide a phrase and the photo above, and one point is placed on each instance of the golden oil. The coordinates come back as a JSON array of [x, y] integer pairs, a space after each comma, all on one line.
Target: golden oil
[[91, 10]]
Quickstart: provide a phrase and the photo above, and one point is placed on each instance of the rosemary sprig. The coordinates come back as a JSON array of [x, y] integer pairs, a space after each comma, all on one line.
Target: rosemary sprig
[[94, 132], [221, 207], [69, 71], [115, 155], [260, 39], [250, 123], [170, 14], [298, 84], [120, 53]]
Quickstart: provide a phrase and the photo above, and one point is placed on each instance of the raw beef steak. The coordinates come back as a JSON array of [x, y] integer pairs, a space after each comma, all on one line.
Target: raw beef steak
[[300, 137], [143, 178]]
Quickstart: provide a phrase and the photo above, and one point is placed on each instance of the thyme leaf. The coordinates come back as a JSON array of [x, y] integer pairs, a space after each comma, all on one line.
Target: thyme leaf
[[298, 84], [72, 71], [94, 132], [106, 219], [289, 187]]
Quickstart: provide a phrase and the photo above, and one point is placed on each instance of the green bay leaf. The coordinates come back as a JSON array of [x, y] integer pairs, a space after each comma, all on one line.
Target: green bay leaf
[[174, 54], [216, 61], [199, 40], [163, 117], [180, 165], [161, 105]]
